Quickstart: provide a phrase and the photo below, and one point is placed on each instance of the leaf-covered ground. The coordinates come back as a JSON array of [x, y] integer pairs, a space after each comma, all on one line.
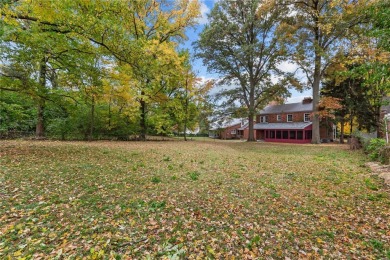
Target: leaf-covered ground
[[194, 199]]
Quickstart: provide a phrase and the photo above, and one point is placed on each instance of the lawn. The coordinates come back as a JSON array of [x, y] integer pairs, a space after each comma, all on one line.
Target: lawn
[[196, 199]]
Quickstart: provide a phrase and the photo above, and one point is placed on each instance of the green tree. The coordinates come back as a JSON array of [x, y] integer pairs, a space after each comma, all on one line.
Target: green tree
[[142, 34], [242, 43], [35, 55], [320, 29], [379, 15]]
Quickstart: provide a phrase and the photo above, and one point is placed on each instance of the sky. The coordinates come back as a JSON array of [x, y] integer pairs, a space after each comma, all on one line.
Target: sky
[[201, 70]]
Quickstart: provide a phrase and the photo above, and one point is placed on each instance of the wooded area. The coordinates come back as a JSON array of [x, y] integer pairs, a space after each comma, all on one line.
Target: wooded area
[[90, 69], [79, 69]]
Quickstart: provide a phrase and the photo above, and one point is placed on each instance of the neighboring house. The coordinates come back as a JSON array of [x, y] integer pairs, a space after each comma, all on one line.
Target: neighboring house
[[290, 123], [229, 128]]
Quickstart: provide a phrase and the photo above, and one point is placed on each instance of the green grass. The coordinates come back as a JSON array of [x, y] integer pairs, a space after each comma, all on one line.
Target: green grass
[[206, 199]]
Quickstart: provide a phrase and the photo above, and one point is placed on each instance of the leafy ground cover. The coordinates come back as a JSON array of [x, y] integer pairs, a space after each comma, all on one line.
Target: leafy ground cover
[[194, 199]]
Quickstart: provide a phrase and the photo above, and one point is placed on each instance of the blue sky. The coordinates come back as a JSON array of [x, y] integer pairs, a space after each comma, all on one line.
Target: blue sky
[[201, 71]]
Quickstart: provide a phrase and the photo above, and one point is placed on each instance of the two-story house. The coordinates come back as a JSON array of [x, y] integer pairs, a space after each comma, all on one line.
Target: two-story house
[[229, 128], [289, 123]]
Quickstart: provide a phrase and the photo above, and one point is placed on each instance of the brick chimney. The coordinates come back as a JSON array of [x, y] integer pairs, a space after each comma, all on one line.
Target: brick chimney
[[307, 100]]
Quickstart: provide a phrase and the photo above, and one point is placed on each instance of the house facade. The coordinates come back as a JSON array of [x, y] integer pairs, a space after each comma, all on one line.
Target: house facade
[[236, 128], [290, 123]]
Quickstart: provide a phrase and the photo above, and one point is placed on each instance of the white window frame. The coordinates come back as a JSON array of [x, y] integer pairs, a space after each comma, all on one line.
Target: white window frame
[[263, 119], [279, 118], [288, 115], [233, 132], [308, 117]]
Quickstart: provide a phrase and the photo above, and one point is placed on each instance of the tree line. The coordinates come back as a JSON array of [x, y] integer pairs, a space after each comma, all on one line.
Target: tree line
[[95, 68], [84, 69]]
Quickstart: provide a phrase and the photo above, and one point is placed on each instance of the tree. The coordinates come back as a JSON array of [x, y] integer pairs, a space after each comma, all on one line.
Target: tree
[[379, 15], [347, 91], [155, 62], [34, 54], [142, 34], [241, 43], [360, 79], [320, 29], [17, 113]]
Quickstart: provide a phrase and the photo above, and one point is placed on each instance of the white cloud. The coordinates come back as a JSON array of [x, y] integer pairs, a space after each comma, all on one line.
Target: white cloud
[[204, 10], [297, 99], [288, 66], [204, 79]]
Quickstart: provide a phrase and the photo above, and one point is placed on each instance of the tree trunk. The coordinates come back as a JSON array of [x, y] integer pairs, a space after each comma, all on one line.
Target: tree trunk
[[378, 120], [316, 139], [186, 111], [40, 127], [251, 136], [351, 126], [91, 126], [342, 122], [109, 113], [185, 130], [142, 123]]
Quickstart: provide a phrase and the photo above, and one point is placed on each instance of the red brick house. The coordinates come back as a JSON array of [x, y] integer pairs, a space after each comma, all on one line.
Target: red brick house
[[290, 123], [235, 128]]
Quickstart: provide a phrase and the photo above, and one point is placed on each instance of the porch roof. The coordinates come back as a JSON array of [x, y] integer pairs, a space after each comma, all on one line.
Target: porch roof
[[282, 126]]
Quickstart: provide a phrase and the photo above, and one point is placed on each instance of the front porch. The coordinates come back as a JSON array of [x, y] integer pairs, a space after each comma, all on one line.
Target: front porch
[[284, 132]]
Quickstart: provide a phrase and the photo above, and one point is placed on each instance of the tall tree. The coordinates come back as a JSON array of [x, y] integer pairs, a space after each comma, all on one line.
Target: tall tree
[[142, 34], [320, 29], [34, 52], [241, 43], [157, 26]]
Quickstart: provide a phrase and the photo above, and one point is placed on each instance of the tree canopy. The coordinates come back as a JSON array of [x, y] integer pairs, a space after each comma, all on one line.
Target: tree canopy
[[102, 55], [241, 43], [320, 29]]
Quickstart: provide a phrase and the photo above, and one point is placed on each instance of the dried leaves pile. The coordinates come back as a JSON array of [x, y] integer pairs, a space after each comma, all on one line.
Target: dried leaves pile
[[189, 199]]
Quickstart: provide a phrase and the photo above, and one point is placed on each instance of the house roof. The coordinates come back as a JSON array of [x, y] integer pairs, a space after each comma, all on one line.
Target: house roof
[[227, 122], [286, 108], [283, 126], [244, 126]]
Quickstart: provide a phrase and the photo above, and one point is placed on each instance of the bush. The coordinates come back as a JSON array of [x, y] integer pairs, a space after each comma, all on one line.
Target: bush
[[384, 154], [374, 147]]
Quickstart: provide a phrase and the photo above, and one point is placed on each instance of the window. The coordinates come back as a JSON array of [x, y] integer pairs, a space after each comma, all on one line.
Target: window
[[308, 134], [307, 117], [233, 132], [272, 134], [263, 119], [278, 134], [299, 135], [289, 118], [279, 118], [292, 135], [285, 134]]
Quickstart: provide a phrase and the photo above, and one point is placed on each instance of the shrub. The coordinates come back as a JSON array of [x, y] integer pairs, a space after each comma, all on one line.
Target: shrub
[[373, 148], [384, 154]]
